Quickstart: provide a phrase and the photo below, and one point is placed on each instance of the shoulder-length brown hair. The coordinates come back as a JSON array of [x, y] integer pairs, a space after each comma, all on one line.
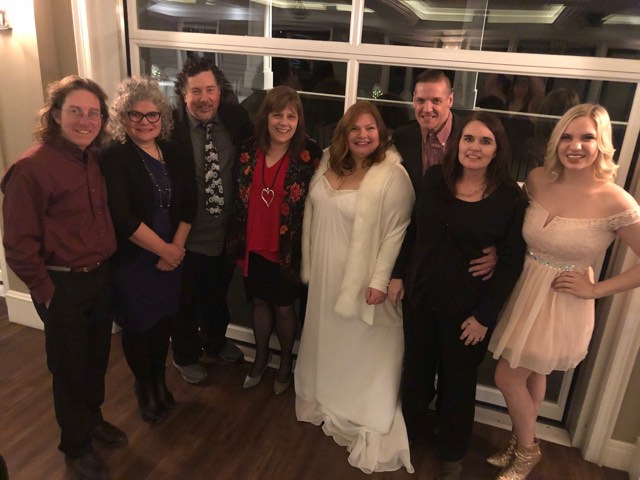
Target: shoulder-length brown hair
[[48, 129], [340, 160], [605, 168], [497, 171], [276, 100]]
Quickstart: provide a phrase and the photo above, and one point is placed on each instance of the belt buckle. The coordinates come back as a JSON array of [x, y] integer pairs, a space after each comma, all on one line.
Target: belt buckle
[[87, 269]]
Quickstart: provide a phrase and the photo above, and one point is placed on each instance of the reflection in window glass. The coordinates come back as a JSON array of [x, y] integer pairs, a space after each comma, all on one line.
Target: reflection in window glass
[[529, 107], [298, 19], [586, 28], [321, 83]]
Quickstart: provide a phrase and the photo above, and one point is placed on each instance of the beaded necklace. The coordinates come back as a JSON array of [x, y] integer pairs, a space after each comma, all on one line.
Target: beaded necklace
[[164, 190]]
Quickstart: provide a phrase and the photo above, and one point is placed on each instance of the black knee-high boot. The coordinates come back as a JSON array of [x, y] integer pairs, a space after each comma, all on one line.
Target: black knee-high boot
[[159, 349], [165, 399], [149, 406], [138, 353]]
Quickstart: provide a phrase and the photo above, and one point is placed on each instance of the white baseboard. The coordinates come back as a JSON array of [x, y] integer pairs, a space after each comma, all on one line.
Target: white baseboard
[[634, 466], [548, 433], [21, 309], [619, 455]]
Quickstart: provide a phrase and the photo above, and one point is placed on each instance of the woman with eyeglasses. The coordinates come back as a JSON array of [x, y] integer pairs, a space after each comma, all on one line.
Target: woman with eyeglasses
[[152, 201]]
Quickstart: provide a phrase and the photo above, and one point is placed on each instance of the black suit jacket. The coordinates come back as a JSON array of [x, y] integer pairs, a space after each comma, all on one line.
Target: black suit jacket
[[408, 141]]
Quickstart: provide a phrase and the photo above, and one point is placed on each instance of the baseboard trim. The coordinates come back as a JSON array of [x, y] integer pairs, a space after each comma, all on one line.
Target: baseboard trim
[[618, 455]]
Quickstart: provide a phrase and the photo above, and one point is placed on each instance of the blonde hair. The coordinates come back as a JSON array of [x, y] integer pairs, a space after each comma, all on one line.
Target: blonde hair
[[605, 168]]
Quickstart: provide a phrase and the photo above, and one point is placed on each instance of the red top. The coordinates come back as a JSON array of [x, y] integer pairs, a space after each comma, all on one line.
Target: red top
[[55, 213], [263, 217]]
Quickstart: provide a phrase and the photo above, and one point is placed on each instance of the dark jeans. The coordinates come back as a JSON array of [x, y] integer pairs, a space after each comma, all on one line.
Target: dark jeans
[[432, 345], [77, 328], [203, 305]]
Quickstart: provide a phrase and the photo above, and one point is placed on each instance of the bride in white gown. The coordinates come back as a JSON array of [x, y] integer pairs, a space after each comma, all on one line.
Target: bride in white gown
[[349, 364]]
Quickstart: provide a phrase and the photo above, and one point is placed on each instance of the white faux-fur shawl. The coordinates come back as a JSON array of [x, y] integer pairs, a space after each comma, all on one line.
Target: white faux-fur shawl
[[383, 212]]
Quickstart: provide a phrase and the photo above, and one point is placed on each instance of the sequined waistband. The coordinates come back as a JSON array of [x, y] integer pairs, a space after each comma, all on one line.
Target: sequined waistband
[[565, 267]]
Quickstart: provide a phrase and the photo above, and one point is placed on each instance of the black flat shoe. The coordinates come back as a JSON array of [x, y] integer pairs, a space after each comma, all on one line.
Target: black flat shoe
[[108, 435], [88, 467]]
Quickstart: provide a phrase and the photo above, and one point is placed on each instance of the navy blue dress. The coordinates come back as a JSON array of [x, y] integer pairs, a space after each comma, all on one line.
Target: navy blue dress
[[145, 294]]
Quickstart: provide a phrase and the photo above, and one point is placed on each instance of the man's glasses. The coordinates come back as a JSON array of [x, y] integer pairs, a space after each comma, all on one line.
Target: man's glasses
[[77, 113], [136, 117]]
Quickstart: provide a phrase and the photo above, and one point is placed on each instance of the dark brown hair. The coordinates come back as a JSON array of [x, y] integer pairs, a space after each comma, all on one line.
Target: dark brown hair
[[340, 160], [48, 129], [497, 171], [276, 100], [195, 66]]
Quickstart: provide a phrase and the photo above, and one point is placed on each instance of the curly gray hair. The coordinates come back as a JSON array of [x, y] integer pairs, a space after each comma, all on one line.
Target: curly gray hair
[[131, 91]]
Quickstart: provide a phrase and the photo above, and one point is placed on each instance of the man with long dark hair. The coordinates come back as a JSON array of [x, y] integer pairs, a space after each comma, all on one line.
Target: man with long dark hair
[[58, 238]]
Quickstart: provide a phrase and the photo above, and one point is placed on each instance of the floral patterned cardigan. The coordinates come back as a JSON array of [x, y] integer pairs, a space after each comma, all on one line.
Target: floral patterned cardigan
[[296, 187]]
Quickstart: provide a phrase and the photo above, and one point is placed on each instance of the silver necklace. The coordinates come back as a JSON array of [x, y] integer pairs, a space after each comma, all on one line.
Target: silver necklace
[[164, 190]]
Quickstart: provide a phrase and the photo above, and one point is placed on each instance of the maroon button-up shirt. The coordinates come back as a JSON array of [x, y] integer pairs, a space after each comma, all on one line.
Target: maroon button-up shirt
[[55, 213]]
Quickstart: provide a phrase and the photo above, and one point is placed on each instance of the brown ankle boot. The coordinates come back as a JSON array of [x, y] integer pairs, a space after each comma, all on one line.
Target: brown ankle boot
[[525, 459]]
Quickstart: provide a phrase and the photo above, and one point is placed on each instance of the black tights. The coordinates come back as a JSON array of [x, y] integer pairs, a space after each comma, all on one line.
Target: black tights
[[264, 317], [146, 352]]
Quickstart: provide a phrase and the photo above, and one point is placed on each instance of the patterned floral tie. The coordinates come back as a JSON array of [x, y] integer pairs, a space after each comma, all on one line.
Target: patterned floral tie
[[214, 197]]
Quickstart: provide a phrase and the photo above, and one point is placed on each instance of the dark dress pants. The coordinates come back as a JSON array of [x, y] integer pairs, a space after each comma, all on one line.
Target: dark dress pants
[[433, 345], [203, 305], [77, 328]]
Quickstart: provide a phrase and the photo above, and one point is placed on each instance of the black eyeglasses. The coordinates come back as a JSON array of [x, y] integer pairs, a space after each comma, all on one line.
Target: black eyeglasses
[[152, 117]]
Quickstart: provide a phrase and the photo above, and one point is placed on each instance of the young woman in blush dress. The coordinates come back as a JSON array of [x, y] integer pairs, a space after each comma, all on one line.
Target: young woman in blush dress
[[575, 212]]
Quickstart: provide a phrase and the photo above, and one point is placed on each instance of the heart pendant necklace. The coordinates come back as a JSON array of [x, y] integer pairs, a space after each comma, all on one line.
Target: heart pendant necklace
[[268, 194]]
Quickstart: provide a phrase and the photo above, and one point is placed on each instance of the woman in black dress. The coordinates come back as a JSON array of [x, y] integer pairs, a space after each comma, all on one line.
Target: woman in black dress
[[152, 202], [467, 204]]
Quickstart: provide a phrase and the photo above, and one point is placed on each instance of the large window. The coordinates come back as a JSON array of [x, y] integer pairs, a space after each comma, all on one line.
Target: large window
[[321, 83], [529, 106], [501, 56], [300, 19], [588, 28]]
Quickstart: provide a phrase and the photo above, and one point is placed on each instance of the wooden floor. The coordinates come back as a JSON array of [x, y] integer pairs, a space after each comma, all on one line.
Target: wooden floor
[[218, 431]]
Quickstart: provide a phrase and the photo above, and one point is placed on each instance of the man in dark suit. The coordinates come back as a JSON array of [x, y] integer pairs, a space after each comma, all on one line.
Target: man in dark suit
[[203, 125], [424, 143]]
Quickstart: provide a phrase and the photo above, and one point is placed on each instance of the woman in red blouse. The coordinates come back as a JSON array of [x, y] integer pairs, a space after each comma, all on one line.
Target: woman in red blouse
[[275, 169]]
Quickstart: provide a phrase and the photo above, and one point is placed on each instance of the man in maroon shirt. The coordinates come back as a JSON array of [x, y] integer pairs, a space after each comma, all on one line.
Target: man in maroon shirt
[[58, 237]]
